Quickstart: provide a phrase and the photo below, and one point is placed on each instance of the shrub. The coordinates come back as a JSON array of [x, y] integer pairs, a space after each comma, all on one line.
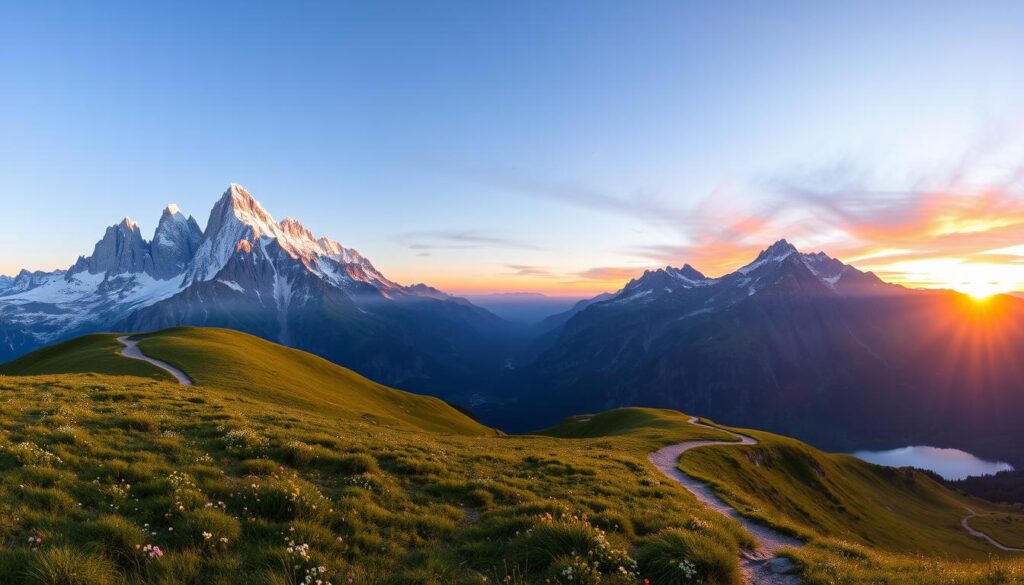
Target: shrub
[[64, 566], [208, 529], [612, 521], [573, 569], [50, 500], [29, 454], [354, 464], [678, 556], [551, 540], [281, 498], [417, 466], [137, 422], [297, 453], [260, 467], [245, 442], [46, 476], [116, 537]]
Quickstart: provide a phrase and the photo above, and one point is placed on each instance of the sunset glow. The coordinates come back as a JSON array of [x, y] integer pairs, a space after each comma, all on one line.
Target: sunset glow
[[956, 238], [980, 280], [536, 173]]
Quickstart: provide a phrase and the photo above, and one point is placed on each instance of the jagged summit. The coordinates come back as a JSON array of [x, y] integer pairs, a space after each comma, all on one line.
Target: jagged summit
[[174, 243], [778, 265], [125, 271], [243, 266], [686, 272], [295, 229], [777, 251], [238, 200], [122, 249]]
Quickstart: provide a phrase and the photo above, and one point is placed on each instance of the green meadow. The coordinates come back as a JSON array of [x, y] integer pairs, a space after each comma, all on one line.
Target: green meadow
[[280, 468]]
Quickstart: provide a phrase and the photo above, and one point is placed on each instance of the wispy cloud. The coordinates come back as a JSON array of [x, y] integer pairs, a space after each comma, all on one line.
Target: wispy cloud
[[526, 270], [459, 240], [619, 274], [646, 206], [896, 222]]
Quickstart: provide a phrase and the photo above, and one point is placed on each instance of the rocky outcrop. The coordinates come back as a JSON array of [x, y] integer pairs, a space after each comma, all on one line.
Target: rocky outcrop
[[121, 250], [174, 243]]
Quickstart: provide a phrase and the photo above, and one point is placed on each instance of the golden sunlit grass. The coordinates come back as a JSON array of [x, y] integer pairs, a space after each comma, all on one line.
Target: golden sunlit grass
[[117, 478]]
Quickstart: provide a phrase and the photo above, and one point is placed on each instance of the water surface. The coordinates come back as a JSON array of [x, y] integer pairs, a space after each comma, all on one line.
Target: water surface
[[951, 464]]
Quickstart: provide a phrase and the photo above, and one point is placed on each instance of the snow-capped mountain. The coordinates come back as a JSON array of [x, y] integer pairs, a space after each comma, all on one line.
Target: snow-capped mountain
[[781, 264], [250, 272], [117, 278], [174, 243]]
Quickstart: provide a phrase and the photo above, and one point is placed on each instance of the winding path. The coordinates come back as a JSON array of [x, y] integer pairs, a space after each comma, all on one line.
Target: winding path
[[131, 350], [980, 534], [760, 565]]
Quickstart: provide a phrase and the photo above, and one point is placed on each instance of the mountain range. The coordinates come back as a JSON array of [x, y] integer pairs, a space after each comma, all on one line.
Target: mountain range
[[793, 342], [248, 272]]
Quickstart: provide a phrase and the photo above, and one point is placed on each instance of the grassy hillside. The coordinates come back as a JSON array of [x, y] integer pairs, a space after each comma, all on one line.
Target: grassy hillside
[[98, 353], [254, 369], [1006, 527], [862, 523], [656, 425], [258, 369], [799, 489], [277, 466], [96, 470]]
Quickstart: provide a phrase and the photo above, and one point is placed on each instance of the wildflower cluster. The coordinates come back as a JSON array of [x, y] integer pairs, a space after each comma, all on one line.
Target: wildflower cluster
[[362, 481], [574, 569], [31, 455], [612, 559], [245, 441], [696, 524], [583, 566], [214, 542], [35, 540], [307, 572], [66, 433], [152, 551], [120, 490], [185, 489], [687, 570]]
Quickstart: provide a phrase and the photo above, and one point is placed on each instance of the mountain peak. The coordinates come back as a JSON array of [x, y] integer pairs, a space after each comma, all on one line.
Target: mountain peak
[[686, 272], [174, 243], [122, 250], [245, 208], [238, 192], [294, 228], [777, 251]]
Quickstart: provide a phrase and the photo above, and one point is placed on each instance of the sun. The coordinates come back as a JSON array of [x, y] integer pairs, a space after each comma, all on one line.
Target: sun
[[979, 291], [981, 281]]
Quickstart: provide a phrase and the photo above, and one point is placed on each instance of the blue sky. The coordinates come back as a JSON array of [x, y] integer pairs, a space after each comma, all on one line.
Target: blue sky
[[521, 146]]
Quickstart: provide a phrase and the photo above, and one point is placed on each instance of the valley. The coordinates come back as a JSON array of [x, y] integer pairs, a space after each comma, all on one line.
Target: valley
[[794, 342], [296, 462]]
